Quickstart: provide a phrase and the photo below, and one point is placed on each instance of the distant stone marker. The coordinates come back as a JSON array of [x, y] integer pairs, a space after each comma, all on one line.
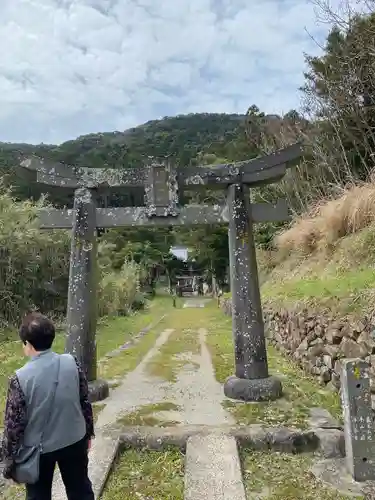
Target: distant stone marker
[[358, 420], [163, 186]]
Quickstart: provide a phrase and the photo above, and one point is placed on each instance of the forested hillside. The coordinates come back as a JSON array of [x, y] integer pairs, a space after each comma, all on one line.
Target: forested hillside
[[186, 140]]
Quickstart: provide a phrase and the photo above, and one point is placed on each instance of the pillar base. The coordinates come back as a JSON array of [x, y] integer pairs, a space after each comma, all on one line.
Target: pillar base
[[261, 389], [98, 390]]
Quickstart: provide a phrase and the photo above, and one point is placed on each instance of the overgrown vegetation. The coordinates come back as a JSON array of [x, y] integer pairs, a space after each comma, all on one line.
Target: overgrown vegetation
[[325, 258], [33, 264], [147, 474], [325, 224], [119, 291], [281, 476], [34, 268]]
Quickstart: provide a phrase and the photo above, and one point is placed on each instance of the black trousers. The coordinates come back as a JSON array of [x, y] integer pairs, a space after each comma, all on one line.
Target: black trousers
[[73, 464]]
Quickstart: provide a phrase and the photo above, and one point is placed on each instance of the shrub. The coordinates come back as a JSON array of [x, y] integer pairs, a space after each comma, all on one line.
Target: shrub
[[118, 290], [139, 302], [34, 268], [33, 263]]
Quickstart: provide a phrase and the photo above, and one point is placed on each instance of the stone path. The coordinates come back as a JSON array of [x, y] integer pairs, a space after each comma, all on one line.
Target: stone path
[[195, 303], [196, 394], [212, 469]]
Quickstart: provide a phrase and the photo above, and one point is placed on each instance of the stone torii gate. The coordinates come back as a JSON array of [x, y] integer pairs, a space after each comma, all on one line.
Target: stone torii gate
[[163, 186]]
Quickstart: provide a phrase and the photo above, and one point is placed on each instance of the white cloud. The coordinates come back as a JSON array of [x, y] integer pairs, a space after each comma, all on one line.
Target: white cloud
[[70, 67]]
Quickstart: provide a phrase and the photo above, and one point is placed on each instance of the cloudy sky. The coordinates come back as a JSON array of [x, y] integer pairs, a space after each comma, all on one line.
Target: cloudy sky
[[72, 67]]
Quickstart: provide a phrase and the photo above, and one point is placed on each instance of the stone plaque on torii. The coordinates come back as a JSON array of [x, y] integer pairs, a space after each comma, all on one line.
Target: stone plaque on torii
[[163, 186]]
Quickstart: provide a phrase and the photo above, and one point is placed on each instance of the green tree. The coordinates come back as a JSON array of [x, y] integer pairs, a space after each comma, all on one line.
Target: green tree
[[339, 93], [148, 247]]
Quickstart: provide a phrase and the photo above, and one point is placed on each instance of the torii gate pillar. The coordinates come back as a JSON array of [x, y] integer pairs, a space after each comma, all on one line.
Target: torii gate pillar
[[82, 292], [252, 381]]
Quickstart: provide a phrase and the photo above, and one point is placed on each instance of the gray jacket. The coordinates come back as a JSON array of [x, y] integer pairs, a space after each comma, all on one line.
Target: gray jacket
[[66, 424]]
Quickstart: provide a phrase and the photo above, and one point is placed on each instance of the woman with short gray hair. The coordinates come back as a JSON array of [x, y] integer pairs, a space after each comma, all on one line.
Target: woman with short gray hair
[[48, 418]]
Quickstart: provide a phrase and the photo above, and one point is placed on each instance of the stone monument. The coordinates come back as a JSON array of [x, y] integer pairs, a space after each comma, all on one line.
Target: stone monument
[[358, 420]]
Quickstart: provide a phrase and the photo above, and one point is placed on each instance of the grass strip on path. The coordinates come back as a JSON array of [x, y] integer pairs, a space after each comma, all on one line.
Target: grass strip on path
[[145, 415], [112, 333], [128, 359], [282, 476], [182, 345], [301, 392], [147, 474], [96, 409], [13, 492]]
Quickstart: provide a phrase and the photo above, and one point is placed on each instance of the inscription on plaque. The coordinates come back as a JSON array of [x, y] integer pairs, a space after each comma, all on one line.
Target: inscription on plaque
[[161, 191], [161, 186], [358, 420], [362, 428]]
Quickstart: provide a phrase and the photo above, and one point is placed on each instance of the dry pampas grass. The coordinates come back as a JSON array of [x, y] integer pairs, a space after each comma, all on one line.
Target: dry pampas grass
[[330, 220]]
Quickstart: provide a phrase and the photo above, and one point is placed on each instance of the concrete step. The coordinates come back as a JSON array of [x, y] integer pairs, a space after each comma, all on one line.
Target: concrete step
[[212, 469]]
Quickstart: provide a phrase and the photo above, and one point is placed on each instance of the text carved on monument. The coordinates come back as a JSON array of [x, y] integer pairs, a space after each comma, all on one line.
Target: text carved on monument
[[161, 192]]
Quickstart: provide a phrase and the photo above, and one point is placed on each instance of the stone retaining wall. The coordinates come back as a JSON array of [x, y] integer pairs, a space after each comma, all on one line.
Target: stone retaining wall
[[318, 343]]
